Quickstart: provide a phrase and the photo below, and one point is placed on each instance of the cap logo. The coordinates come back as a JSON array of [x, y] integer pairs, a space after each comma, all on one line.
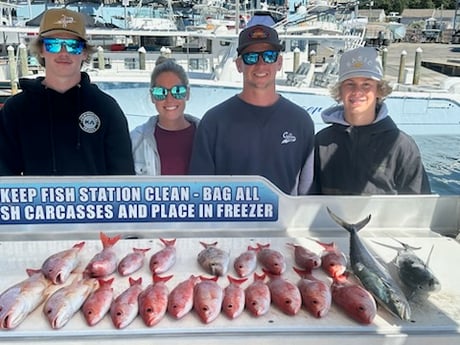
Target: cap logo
[[359, 62], [65, 20], [258, 34]]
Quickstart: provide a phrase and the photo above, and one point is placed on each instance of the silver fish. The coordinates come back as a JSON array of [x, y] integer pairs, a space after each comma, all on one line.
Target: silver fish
[[59, 266], [21, 299], [65, 302], [372, 274], [413, 272], [214, 260]]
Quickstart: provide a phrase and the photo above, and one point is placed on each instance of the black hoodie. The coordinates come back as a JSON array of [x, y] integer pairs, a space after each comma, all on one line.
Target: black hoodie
[[82, 131]]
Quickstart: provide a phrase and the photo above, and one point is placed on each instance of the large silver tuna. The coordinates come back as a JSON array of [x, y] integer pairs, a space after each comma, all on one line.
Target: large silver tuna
[[372, 274]]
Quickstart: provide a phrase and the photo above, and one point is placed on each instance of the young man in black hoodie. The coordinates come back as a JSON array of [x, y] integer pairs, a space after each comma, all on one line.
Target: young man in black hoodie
[[61, 124], [362, 151]]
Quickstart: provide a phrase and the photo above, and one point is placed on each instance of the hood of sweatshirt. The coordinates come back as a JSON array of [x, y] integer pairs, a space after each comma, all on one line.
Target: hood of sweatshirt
[[335, 114]]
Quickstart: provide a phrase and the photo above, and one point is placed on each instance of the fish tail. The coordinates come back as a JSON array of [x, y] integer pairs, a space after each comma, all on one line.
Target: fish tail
[[169, 243], [303, 273], [141, 250], [107, 282], [236, 281], [133, 281], [156, 278], [79, 245], [350, 227], [259, 276], [107, 241], [207, 245]]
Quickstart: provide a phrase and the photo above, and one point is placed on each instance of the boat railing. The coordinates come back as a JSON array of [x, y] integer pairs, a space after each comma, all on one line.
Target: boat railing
[[226, 58]]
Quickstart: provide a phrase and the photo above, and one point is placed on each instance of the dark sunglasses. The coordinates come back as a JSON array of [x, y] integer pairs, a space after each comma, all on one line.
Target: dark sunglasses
[[159, 93], [251, 58], [54, 45]]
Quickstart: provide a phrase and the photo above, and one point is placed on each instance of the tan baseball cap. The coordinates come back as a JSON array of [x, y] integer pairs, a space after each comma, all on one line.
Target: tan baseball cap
[[62, 20]]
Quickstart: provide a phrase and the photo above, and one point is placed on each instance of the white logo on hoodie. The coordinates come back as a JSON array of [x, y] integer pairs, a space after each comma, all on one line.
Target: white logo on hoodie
[[89, 122]]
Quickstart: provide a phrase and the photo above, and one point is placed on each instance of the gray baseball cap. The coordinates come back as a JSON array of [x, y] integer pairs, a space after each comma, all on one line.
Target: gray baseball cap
[[360, 62]]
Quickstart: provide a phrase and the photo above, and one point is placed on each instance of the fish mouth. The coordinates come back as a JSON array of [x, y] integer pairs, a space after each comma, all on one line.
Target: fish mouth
[[9, 322], [321, 313], [59, 279], [216, 269], [59, 322]]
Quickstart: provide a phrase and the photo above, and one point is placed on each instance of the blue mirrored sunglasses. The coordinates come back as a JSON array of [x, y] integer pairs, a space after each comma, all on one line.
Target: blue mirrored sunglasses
[[54, 45], [160, 93], [251, 58]]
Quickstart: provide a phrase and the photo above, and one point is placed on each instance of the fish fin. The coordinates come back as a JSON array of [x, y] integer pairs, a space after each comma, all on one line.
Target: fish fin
[[305, 273], [262, 246], [259, 276], [156, 278], [141, 250], [405, 245], [429, 256], [236, 281], [349, 226], [31, 271], [386, 245], [79, 245], [169, 243], [107, 282], [133, 281], [207, 245], [107, 241]]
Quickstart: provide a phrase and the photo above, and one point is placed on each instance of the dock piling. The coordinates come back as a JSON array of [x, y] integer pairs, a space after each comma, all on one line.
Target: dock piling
[[417, 66], [22, 52], [13, 70], [296, 59], [384, 59], [142, 53], [402, 67], [100, 58]]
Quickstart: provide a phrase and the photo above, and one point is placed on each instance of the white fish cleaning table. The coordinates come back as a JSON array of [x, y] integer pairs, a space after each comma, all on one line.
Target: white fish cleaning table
[[421, 221]]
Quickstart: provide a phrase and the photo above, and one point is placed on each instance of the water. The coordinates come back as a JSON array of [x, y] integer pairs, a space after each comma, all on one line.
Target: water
[[434, 122], [441, 156]]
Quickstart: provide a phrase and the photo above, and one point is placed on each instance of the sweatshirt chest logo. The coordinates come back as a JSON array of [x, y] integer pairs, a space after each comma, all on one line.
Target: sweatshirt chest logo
[[288, 137], [89, 122]]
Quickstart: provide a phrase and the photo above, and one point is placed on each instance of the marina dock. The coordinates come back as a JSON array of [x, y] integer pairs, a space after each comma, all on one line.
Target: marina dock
[[439, 54]]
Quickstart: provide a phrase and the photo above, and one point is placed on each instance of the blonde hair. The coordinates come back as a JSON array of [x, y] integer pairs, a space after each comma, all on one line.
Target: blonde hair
[[383, 88], [36, 46]]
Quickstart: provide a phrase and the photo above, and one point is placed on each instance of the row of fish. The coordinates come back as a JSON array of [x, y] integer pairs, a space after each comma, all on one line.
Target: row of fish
[[18, 301], [95, 298]]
